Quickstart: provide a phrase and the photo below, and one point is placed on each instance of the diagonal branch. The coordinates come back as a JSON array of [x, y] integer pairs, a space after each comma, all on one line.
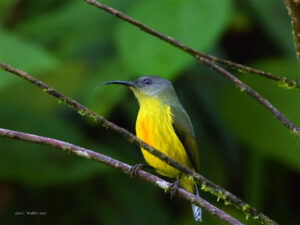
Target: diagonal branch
[[282, 81], [206, 185], [208, 60], [264, 102], [86, 153], [293, 7]]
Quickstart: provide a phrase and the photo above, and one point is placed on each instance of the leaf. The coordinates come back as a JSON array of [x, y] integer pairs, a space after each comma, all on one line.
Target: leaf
[[90, 25], [103, 99], [195, 23], [24, 55], [5, 8], [37, 164], [275, 21], [255, 125]]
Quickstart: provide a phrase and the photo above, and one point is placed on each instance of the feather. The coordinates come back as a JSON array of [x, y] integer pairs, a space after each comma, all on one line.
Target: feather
[[185, 132]]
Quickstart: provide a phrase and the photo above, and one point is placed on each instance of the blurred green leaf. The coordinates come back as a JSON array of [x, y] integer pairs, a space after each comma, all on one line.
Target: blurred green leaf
[[50, 166], [255, 125], [67, 79], [101, 98], [255, 180], [5, 9], [144, 54], [134, 194], [90, 25], [276, 22], [24, 55]]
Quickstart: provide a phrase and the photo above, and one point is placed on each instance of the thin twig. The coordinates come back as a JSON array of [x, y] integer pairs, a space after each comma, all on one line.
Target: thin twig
[[282, 81], [264, 102], [121, 166], [206, 185], [293, 7]]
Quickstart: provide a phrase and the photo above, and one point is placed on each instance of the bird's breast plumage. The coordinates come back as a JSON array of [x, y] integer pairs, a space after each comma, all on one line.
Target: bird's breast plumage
[[154, 126]]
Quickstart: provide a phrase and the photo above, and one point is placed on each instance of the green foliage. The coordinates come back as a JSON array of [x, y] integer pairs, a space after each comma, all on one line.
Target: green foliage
[[276, 22], [143, 53], [95, 90], [5, 7], [255, 125], [76, 18], [25, 54]]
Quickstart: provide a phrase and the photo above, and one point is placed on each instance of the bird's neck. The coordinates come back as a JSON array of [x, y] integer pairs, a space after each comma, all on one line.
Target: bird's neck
[[151, 104]]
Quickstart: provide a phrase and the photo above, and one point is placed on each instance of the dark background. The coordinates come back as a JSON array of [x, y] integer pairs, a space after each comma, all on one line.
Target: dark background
[[74, 47]]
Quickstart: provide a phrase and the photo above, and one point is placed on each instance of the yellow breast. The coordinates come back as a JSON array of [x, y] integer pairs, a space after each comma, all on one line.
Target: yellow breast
[[154, 126]]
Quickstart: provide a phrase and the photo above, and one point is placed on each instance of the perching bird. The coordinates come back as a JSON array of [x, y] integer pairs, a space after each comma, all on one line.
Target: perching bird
[[163, 123]]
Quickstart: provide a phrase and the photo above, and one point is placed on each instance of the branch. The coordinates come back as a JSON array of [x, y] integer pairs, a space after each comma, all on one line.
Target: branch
[[208, 60], [293, 7], [282, 81], [121, 166], [206, 185], [264, 102]]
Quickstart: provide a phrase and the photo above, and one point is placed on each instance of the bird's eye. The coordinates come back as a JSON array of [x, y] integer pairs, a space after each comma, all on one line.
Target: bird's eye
[[147, 82]]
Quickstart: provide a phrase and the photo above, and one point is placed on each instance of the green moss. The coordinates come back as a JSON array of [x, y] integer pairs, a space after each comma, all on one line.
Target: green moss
[[95, 118], [62, 100], [241, 71], [245, 207], [242, 89], [284, 84], [247, 216], [296, 131], [219, 193], [214, 60], [204, 188], [82, 112], [227, 202], [190, 177]]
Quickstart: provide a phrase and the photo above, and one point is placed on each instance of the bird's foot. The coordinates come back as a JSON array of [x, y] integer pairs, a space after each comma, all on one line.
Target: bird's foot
[[173, 188], [135, 169]]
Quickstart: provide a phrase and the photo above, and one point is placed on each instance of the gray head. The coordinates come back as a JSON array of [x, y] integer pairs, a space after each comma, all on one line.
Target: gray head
[[150, 87]]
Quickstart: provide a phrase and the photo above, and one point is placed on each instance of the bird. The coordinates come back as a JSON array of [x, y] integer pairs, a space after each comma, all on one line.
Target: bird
[[163, 123]]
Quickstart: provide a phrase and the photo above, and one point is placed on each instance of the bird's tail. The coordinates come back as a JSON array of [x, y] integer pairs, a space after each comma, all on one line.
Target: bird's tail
[[197, 211]]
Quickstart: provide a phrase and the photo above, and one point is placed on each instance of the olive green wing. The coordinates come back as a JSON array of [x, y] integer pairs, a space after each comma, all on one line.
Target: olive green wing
[[185, 132]]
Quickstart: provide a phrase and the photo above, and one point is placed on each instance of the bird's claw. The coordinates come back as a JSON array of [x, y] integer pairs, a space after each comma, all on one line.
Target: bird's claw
[[135, 169], [173, 188]]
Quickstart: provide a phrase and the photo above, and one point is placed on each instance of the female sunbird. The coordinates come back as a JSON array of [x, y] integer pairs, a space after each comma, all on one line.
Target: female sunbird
[[163, 123]]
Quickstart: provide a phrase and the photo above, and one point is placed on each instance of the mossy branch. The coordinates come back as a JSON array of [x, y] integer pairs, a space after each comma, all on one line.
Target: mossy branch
[[293, 7], [281, 81], [205, 184], [89, 154]]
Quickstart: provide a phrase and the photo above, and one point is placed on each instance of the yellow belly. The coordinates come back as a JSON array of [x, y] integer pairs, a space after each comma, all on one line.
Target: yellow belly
[[154, 126]]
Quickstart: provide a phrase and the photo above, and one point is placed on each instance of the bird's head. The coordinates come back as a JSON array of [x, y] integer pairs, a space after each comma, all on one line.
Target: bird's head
[[147, 87]]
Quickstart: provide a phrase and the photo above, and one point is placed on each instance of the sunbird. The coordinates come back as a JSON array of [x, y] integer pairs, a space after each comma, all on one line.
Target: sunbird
[[163, 123]]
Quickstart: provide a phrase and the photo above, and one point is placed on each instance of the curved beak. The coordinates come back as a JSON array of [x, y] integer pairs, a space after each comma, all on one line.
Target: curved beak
[[125, 83]]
